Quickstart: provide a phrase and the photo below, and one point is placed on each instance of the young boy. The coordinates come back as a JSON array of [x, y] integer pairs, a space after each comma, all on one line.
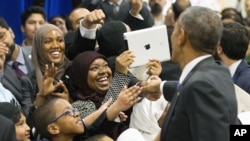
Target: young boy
[[13, 113], [56, 120]]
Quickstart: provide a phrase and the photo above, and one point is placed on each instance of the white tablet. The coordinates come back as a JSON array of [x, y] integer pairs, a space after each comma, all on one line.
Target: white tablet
[[147, 44]]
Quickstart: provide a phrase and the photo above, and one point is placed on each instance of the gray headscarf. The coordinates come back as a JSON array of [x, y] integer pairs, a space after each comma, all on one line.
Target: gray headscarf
[[38, 59]]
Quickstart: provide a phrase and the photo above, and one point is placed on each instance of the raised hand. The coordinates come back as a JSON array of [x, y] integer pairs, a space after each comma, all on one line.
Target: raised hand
[[154, 67], [3, 48], [152, 88], [128, 97], [123, 61], [64, 93], [2, 59], [48, 78], [93, 18]]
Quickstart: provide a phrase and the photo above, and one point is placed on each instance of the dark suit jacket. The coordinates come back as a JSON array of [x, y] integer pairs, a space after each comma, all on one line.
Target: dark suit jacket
[[124, 15], [170, 71], [10, 81], [78, 45], [242, 76], [203, 107]]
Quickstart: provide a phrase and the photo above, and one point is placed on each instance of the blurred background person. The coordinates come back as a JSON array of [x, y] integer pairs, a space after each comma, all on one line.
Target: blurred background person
[[60, 22], [32, 18], [156, 7], [232, 51], [175, 10]]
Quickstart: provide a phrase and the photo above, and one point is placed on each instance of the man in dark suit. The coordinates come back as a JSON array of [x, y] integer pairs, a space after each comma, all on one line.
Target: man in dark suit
[[134, 13], [14, 54], [203, 103], [232, 50]]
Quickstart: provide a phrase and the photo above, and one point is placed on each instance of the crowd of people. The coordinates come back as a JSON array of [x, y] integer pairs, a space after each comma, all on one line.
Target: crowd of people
[[70, 79]]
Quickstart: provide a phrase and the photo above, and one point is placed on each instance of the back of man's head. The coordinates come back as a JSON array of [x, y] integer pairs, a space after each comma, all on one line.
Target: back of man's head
[[203, 28], [179, 6], [3, 23], [234, 41], [42, 117]]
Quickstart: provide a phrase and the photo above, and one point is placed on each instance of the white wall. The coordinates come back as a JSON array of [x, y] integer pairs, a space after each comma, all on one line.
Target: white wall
[[233, 3], [217, 5]]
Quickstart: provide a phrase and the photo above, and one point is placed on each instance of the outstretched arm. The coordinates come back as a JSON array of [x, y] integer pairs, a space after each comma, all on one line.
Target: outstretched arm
[[85, 35]]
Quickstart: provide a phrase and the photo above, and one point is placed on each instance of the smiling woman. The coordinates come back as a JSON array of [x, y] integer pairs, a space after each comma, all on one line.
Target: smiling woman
[[51, 65], [48, 47], [93, 81]]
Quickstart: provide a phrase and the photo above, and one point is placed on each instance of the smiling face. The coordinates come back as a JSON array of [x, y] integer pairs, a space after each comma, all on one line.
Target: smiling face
[[53, 46], [22, 129], [67, 124], [99, 76]]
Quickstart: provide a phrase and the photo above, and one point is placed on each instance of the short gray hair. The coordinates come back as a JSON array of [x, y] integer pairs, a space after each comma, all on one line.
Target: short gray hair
[[203, 27]]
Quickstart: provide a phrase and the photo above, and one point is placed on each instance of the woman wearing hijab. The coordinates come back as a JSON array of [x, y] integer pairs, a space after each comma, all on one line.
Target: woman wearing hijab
[[93, 81], [50, 76], [95, 84], [113, 45], [144, 111], [50, 64], [48, 48], [47, 55]]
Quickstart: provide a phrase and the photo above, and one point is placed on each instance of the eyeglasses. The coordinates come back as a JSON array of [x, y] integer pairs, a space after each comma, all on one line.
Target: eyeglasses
[[3, 35], [70, 112]]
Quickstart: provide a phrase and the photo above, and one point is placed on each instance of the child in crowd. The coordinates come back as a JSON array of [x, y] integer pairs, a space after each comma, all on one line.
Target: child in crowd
[[57, 120], [13, 113]]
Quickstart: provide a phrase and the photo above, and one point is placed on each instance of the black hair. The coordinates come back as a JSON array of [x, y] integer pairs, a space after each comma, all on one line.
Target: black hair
[[234, 17], [231, 13], [178, 7], [234, 41], [10, 111], [51, 20], [3, 23], [33, 9], [43, 115]]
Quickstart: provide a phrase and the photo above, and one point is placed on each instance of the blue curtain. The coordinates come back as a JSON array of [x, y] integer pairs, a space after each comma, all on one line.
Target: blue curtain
[[10, 10], [55, 7]]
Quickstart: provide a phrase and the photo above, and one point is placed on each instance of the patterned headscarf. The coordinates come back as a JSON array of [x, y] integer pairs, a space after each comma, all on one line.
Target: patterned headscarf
[[38, 59], [79, 74]]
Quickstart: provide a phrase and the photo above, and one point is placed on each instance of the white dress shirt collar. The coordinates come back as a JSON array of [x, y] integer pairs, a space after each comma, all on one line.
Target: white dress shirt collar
[[233, 67], [190, 66], [118, 2]]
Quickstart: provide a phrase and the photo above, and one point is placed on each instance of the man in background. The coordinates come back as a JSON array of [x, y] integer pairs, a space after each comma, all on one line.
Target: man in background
[[232, 51], [32, 18]]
